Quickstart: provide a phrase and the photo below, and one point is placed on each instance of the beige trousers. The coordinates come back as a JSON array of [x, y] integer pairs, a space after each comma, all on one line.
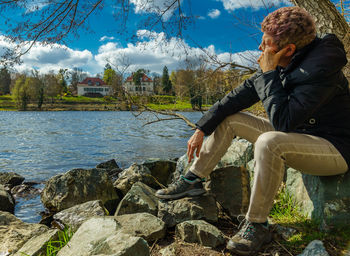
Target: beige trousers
[[306, 153]]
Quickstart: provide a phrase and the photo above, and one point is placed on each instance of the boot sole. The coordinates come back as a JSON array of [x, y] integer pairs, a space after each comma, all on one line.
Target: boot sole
[[192, 192]]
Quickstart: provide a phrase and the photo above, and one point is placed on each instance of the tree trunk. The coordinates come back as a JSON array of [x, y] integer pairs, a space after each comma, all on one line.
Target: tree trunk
[[329, 20]]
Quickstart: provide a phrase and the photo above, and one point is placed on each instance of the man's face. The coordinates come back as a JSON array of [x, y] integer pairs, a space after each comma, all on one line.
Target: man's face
[[268, 42]]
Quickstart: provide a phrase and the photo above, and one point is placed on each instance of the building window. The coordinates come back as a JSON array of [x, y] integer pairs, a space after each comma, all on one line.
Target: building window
[[89, 82], [106, 89]]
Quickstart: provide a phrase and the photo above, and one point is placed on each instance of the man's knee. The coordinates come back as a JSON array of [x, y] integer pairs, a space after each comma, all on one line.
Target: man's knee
[[269, 141]]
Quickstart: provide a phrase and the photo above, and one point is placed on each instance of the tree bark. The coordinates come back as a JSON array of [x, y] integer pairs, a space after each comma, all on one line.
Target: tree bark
[[329, 20]]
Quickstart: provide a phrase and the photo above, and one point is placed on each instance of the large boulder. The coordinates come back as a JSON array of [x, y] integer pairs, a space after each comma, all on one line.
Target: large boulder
[[143, 225], [323, 198], [140, 198], [10, 179], [230, 186], [36, 246], [135, 173], [73, 217], [160, 169], [26, 190], [14, 233], [201, 232], [195, 208], [7, 203], [103, 236], [78, 186]]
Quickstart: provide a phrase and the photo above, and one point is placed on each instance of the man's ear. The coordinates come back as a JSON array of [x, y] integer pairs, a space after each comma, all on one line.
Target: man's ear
[[291, 48]]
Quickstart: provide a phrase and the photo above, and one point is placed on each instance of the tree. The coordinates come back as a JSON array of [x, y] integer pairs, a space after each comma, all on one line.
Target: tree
[[21, 93], [166, 83], [35, 89], [76, 75], [62, 76], [5, 80], [109, 75], [52, 86]]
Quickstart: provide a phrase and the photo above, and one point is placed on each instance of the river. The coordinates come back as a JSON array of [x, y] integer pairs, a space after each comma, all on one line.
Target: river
[[39, 145]]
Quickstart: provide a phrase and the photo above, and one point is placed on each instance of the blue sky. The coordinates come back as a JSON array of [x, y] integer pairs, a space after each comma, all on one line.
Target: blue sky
[[222, 27]]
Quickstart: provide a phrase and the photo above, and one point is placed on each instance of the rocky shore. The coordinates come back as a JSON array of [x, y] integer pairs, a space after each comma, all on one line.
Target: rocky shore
[[114, 212]]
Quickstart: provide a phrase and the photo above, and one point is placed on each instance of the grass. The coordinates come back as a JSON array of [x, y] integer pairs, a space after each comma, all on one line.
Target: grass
[[287, 212]]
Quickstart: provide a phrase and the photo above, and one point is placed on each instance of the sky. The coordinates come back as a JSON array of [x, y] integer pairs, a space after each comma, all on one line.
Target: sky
[[222, 27]]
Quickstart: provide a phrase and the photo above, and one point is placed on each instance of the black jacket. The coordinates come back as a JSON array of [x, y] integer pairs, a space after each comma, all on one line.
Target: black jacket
[[311, 95]]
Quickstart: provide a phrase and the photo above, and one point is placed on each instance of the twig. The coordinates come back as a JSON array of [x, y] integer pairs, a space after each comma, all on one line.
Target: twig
[[150, 251], [284, 248]]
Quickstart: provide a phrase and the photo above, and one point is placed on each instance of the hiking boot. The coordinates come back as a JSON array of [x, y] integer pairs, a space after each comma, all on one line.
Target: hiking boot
[[250, 238], [181, 188]]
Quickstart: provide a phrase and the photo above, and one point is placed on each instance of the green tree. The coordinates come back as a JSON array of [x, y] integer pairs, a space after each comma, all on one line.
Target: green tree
[[5, 80], [62, 76], [21, 93], [109, 75], [166, 83], [76, 75], [35, 89], [51, 85]]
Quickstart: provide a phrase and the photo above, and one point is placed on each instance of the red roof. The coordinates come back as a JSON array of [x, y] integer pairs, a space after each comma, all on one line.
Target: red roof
[[144, 78], [93, 81]]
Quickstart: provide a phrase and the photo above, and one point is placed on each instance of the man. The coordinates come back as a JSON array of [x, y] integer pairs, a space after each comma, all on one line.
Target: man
[[306, 97]]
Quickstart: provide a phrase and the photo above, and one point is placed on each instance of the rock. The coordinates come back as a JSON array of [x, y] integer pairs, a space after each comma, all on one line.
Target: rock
[[144, 225], [78, 186], [37, 245], [73, 217], [199, 231], [7, 203], [195, 208], [111, 167], [14, 233], [230, 186], [102, 236], [133, 174], [170, 250], [323, 198], [160, 169], [10, 179], [140, 198], [315, 248], [26, 189], [284, 232]]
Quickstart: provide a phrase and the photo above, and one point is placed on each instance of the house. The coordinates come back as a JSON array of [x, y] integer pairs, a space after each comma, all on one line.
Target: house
[[146, 87], [93, 87]]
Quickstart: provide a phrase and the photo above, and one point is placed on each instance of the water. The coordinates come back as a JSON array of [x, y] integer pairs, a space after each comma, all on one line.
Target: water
[[39, 145]]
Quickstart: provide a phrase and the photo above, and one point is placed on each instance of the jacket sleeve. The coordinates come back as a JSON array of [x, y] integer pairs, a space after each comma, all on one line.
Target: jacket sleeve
[[287, 109], [238, 99]]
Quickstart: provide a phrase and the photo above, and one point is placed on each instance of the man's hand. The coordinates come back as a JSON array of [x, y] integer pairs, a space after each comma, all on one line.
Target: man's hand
[[195, 144], [269, 58]]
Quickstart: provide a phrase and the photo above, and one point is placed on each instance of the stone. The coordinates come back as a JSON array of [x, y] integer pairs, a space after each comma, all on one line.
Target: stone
[[7, 203], [160, 169], [201, 232], [230, 187], [143, 225], [195, 208], [103, 236], [284, 232], [10, 179], [36, 246], [170, 250], [79, 186], [140, 198], [26, 190], [74, 216], [111, 167], [325, 199], [315, 248], [135, 173], [14, 233]]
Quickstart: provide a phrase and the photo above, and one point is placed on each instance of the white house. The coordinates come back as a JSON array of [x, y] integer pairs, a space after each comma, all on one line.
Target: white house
[[146, 87], [93, 87]]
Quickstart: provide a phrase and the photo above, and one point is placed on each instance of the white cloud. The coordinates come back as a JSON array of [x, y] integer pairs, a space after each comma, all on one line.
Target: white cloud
[[104, 38], [214, 13], [152, 53], [155, 6], [231, 5]]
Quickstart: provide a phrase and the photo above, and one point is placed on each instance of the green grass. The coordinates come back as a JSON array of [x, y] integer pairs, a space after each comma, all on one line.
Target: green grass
[[287, 212], [54, 246]]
